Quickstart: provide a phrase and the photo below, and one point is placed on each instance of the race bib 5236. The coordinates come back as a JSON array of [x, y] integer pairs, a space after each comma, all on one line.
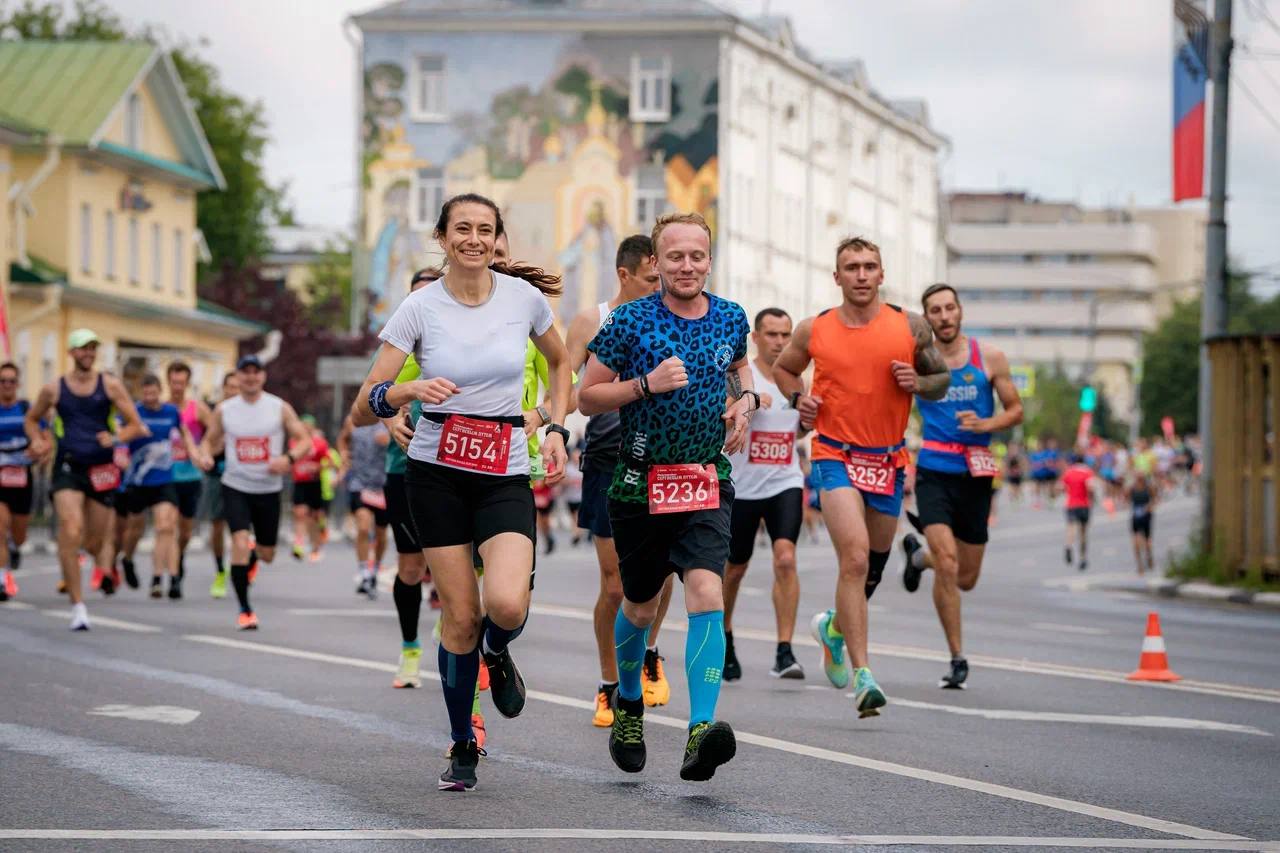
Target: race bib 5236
[[683, 488]]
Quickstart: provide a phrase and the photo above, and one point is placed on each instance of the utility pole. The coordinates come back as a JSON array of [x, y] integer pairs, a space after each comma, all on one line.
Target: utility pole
[[1213, 311]]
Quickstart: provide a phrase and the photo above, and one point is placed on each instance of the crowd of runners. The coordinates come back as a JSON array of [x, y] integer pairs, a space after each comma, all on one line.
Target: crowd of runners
[[706, 427]]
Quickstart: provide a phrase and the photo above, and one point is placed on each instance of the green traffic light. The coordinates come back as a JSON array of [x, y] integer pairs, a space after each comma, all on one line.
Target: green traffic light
[[1088, 398]]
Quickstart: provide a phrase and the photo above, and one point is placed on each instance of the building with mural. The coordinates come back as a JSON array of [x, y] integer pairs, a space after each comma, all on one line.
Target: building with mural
[[586, 119], [105, 158]]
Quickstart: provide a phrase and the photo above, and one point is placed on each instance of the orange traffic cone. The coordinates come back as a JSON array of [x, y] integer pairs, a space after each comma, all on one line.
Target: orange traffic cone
[[1154, 663]]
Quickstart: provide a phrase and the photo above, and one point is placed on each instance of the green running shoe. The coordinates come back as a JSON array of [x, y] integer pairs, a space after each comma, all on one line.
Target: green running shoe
[[833, 662], [709, 746], [626, 739], [408, 676], [218, 589], [867, 694]]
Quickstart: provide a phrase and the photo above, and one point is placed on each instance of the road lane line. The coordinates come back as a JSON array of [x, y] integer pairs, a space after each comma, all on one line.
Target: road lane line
[[168, 714], [17, 605], [1149, 722], [341, 611], [992, 789], [615, 834], [1069, 629], [135, 627]]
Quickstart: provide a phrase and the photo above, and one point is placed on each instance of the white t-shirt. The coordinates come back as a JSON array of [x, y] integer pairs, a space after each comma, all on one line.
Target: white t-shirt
[[254, 436], [480, 348], [773, 432]]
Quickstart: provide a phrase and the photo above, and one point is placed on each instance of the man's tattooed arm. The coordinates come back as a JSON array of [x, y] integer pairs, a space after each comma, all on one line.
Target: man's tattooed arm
[[933, 377]]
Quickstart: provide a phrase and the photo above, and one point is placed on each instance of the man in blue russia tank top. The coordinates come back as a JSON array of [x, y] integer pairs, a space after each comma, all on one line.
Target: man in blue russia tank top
[[956, 467], [15, 477], [84, 476]]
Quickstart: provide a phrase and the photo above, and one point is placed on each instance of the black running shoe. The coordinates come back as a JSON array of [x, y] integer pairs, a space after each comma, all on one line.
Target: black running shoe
[[709, 746], [182, 567], [108, 584], [1084, 564], [955, 679], [130, 575], [506, 686], [626, 737], [15, 556], [461, 775], [914, 521], [785, 665], [1067, 555], [156, 591], [175, 587], [911, 572], [732, 669]]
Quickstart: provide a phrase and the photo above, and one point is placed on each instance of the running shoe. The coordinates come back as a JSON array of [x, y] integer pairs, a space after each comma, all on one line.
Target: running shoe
[[362, 588], [785, 665], [434, 599], [175, 587], [653, 680], [130, 573], [505, 683], [247, 621], [79, 617], [464, 755], [482, 680], [626, 736], [867, 695], [477, 728], [911, 572], [109, 583], [15, 555], [1084, 564], [298, 551], [62, 586], [253, 570], [732, 669], [156, 591], [1067, 555], [955, 679], [116, 580], [314, 557], [709, 746], [408, 676], [218, 589], [603, 718], [95, 579], [10, 585], [833, 662]]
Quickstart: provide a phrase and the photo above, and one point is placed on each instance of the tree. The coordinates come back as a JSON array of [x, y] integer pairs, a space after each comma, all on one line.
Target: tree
[[329, 289], [1055, 410]]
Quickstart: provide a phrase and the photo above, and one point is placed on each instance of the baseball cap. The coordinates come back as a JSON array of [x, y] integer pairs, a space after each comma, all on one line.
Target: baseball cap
[[248, 361], [82, 338]]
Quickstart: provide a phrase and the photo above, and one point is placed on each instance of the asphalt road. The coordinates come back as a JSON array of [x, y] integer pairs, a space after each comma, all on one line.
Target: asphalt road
[[292, 738]]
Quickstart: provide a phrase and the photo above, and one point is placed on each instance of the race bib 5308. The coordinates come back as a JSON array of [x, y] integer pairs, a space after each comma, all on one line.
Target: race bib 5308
[[770, 448]]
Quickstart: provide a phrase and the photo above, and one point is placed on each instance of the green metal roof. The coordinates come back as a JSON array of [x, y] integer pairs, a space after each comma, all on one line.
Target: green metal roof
[[67, 88], [181, 170]]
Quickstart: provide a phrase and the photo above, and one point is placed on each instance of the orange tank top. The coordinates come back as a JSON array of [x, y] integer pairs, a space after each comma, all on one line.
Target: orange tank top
[[862, 404]]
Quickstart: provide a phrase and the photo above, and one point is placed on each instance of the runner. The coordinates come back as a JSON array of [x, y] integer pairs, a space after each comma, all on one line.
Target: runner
[[308, 498], [252, 426], [1079, 482], [1142, 499], [364, 457], [869, 358], [151, 485], [1013, 472], [637, 277], [85, 477], [187, 478], [214, 509], [467, 477], [675, 352], [956, 468], [768, 487], [1046, 467], [15, 478]]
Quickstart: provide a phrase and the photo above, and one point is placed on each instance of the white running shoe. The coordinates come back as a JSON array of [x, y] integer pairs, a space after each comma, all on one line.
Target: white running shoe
[[79, 617]]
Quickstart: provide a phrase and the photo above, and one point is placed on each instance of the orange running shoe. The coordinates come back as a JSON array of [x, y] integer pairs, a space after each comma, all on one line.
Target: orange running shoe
[[315, 556], [247, 621], [477, 726], [483, 679], [253, 571], [653, 680], [10, 584], [603, 718], [95, 579]]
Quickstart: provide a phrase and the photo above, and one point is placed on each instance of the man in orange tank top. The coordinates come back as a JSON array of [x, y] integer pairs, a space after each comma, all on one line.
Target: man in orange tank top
[[869, 358]]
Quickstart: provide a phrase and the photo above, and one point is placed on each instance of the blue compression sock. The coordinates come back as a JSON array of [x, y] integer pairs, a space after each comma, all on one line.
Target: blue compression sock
[[629, 645], [458, 677], [704, 663], [497, 638]]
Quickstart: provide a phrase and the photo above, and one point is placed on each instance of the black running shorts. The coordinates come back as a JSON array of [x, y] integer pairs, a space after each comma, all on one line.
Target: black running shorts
[[308, 494], [188, 495], [1078, 515], [355, 504], [454, 507], [258, 513], [782, 514], [402, 528], [68, 474], [18, 499], [960, 501], [139, 499], [593, 515]]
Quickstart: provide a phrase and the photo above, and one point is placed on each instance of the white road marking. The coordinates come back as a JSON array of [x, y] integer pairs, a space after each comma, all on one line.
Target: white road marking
[[1148, 722], [1082, 582], [169, 714], [1055, 627], [17, 605], [596, 833], [95, 621], [381, 613], [849, 759]]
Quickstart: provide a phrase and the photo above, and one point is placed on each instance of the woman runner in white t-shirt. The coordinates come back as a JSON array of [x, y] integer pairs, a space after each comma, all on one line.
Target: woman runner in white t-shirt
[[467, 476]]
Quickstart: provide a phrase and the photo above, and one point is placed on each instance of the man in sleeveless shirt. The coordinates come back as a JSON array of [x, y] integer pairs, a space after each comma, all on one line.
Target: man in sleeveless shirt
[[869, 358], [85, 477], [956, 469], [637, 277], [187, 478]]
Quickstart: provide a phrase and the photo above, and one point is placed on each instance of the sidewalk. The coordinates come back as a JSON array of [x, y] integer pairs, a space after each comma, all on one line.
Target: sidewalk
[[1189, 590]]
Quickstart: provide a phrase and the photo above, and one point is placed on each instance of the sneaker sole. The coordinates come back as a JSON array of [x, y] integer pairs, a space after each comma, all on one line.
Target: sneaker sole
[[815, 628], [619, 765], [406, 685], [947, 684], [460, 787], [869, 704], [794, 672], [513, 710], [718, 747]]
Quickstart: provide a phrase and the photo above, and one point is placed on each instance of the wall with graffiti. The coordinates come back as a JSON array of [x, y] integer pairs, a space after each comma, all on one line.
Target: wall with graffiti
[[580, 138]]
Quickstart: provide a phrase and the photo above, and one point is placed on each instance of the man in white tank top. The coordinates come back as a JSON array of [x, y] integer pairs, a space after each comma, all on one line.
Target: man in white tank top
[[252, 427], [637, 277], [769, 488]]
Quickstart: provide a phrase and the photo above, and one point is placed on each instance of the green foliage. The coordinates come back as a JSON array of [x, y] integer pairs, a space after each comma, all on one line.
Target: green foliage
[[329, 290], [1194, 563], [1055, 410]]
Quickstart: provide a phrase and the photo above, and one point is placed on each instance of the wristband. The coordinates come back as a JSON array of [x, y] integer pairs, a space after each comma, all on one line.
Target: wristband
[[795, 398], [378, 401], [756, 396], [560, 431], [644, 386]]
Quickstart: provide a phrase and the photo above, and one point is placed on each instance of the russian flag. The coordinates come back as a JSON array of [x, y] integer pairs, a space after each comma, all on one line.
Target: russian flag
[[1190, 72]]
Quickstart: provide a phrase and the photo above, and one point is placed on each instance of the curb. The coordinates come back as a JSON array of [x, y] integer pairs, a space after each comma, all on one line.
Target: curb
[[1197, 591]]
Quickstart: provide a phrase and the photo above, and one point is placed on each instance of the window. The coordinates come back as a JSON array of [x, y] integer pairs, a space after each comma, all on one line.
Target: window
[[650, 88], [426, 88], [157, 257], [135, 251], [179, 261], [109, 225], [428, 198], [86, 238], [133, 121]]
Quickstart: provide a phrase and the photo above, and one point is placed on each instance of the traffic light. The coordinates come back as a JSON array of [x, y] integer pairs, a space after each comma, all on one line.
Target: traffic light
[[1088, 398]]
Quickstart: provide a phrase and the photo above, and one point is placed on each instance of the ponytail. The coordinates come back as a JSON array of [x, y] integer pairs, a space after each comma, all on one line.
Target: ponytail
[[546, 282]]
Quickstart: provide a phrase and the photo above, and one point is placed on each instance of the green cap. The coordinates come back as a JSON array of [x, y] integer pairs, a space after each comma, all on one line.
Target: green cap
[[309, 420], [82, 338]]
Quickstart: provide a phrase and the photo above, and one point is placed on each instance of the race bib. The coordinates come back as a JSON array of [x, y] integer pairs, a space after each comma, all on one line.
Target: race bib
[[14, 477], [253, 450], [982, 462], [475, 445], [683, 488], [178, 448], [307, 469], [373, 498], [120, 456], [874, 474], [771, 448], [104, 478]]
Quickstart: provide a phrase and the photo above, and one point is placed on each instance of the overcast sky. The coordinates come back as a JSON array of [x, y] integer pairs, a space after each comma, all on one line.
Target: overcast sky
[[1067, 100]]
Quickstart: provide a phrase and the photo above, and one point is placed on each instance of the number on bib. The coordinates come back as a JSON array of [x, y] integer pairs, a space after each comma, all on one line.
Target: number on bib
[[874, 474], [475, 445], [771, 448], [253, 450], [104, 478], [14, 477], [982, 462], [373, 498], [683, 488]]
